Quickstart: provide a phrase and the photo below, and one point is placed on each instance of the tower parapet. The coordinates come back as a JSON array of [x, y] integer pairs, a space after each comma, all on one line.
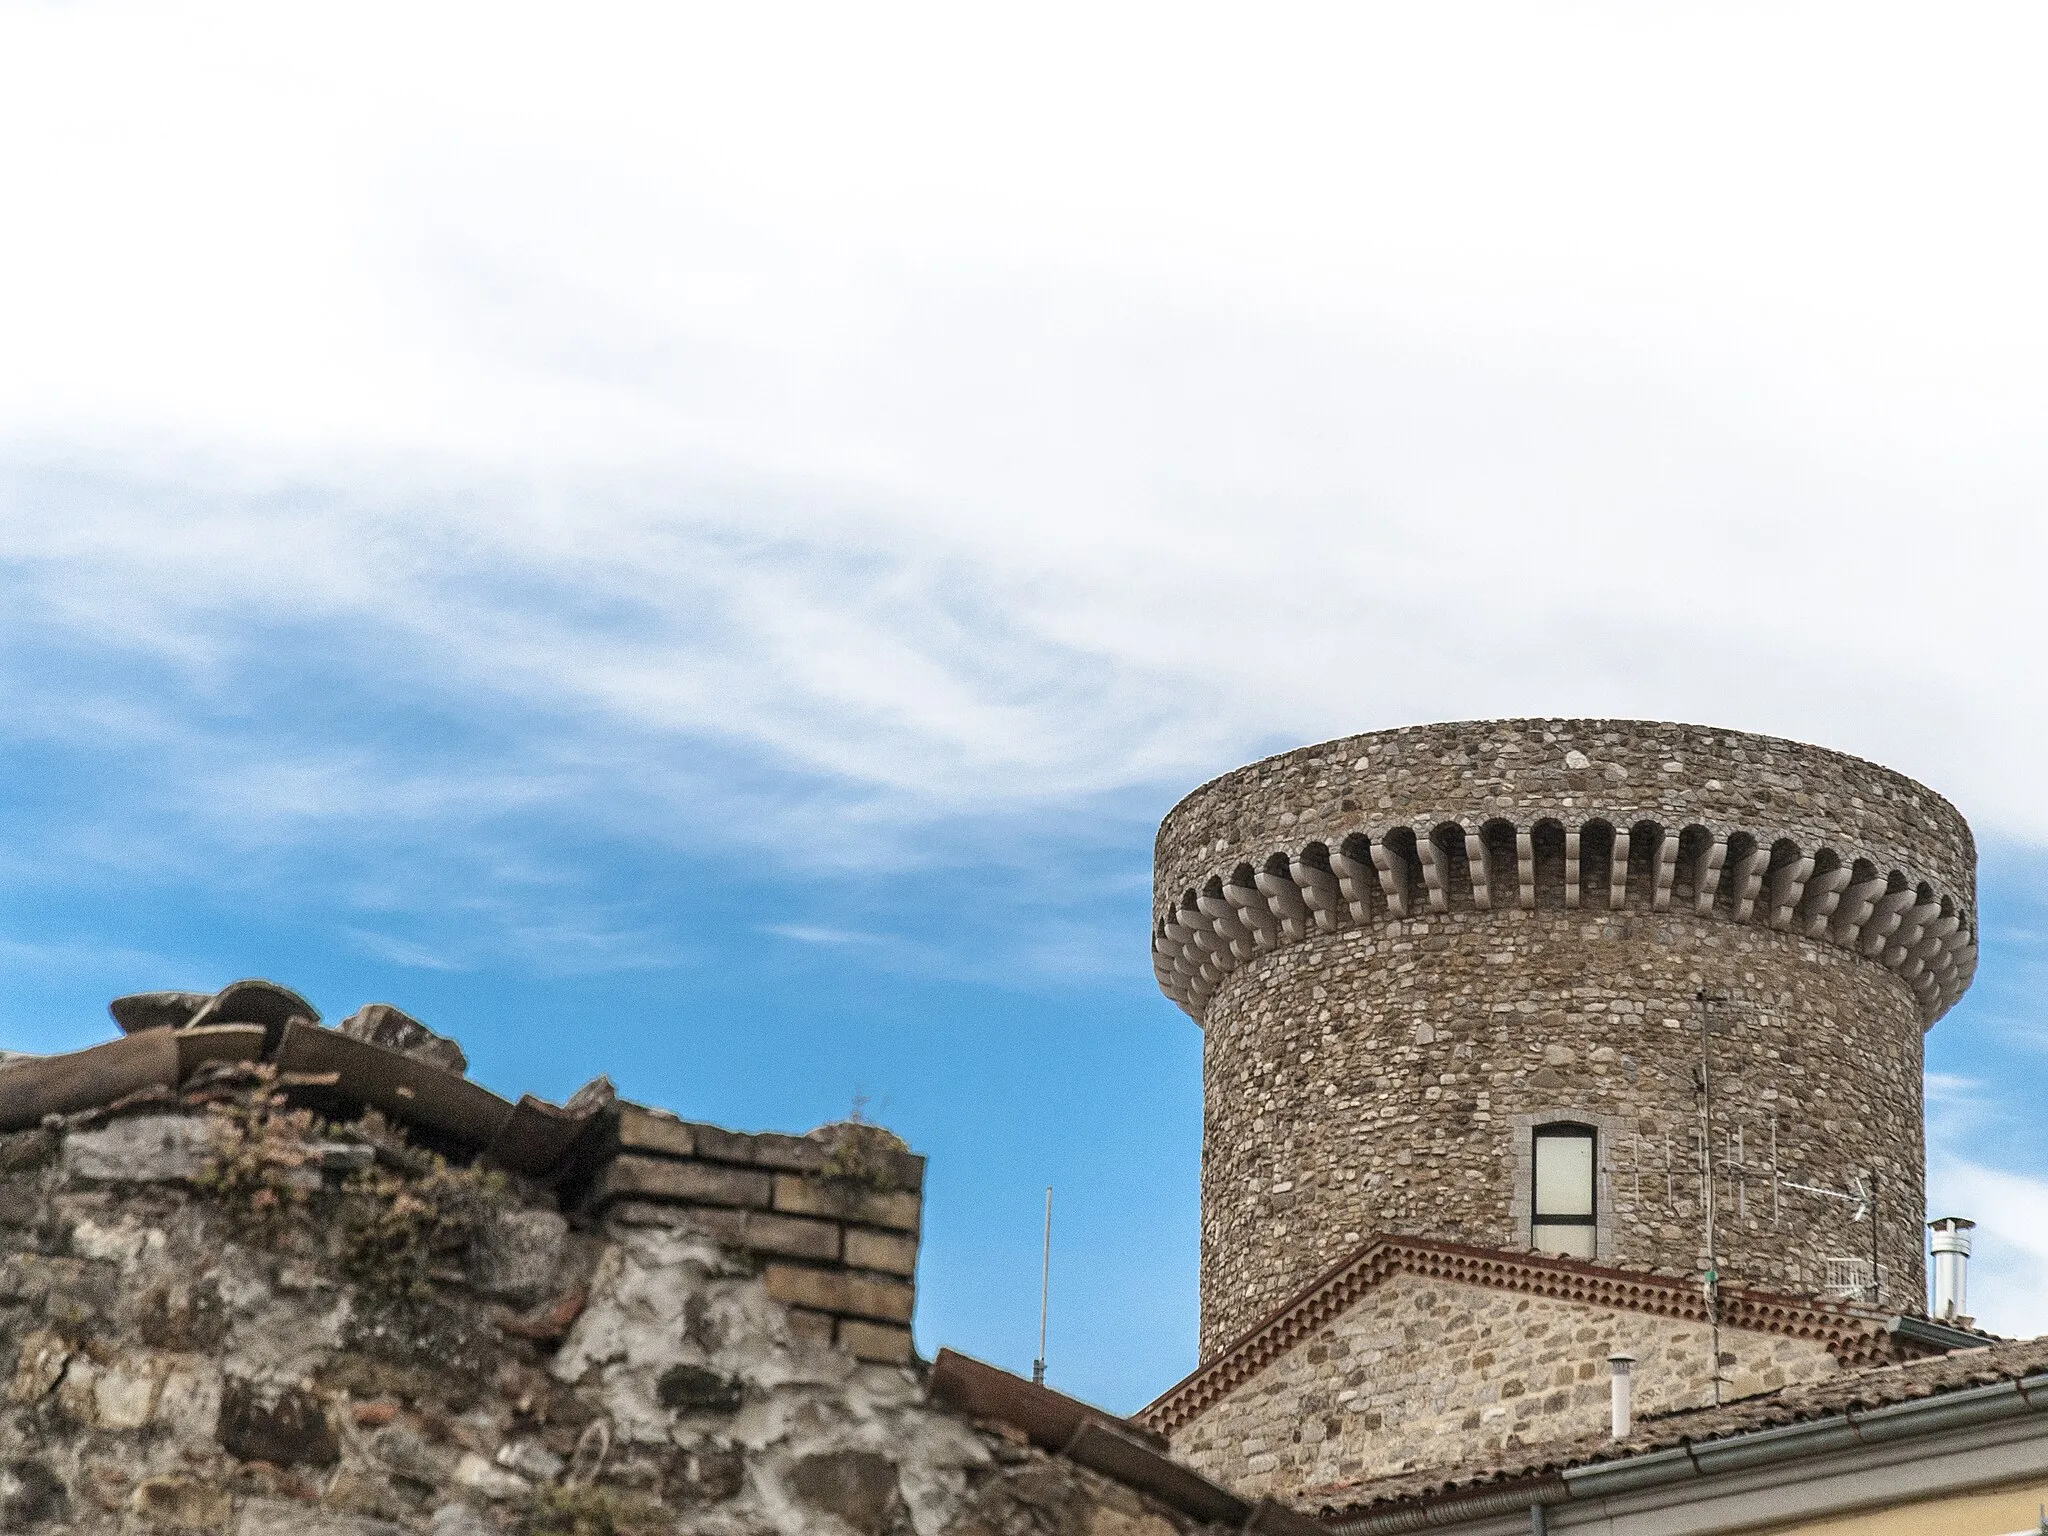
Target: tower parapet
[[1413, 951]]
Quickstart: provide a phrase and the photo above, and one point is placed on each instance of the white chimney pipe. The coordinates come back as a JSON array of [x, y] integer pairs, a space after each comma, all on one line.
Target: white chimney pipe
[[1951, 1244], [1624, 1397]]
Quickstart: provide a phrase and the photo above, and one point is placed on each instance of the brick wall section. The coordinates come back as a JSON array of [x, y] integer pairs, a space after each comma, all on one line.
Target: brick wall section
[[1428, 1373], [1381, 1078], [832, 1217]]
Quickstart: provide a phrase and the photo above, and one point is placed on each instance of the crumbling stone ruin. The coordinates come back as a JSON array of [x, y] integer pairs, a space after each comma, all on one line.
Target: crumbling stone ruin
[[263, 1277]]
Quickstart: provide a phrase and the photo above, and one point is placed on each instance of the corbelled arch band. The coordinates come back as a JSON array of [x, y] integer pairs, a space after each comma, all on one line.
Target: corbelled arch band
[[1890, 916]]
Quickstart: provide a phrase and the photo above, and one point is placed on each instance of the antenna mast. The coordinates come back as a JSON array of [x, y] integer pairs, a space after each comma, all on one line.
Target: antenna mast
[[1044, 1293], [1713, 1281]]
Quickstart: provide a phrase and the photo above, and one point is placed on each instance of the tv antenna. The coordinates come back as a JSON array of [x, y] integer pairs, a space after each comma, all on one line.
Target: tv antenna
[[1044, 1293], [1865, 1200], [1853, 1195]]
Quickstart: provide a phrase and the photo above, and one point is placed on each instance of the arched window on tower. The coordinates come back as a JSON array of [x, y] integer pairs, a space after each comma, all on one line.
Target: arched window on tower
[[1563, 1206]]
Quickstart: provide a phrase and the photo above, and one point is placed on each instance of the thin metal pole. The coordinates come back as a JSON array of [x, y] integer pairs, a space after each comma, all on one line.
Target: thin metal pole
[[1045, 1292], [1707, 1151], [1876, 1285]]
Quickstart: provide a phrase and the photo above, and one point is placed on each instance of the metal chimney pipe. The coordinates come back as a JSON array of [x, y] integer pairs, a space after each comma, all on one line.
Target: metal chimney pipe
[[1624, 1396], [1951, 1244]]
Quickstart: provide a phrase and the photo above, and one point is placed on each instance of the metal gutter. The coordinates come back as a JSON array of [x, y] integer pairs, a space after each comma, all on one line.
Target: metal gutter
[[1761, 1448], [1788, 1442], [1977, 1405], [1646, 1471], [1925, 1330]]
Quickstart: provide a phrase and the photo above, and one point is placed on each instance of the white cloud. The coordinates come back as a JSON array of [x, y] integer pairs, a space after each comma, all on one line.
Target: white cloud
[[954, 423], [2009, 1255], [84, 955], [842, 436], [1978, 1167], [396, 951], [808, 933], [1195, 391], [1951, 1088]]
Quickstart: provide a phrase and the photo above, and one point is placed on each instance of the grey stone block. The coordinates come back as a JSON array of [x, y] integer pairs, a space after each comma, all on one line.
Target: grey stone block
[[284, 1517], [144, 1149], [519, 1254]]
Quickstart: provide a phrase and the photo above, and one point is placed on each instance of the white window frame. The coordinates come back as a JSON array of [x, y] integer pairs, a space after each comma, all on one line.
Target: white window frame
[[1611, 1140], [1547, 1223]]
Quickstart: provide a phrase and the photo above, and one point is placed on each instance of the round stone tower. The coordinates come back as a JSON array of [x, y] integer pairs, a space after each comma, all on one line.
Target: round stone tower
[[1430, 963]]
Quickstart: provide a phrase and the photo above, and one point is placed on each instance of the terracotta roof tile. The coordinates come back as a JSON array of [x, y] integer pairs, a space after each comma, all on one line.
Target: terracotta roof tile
[[1853, 1335], [1872, 1387]]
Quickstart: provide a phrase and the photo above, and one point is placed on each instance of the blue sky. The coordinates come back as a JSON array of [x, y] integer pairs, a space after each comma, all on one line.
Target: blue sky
[[698, 547]]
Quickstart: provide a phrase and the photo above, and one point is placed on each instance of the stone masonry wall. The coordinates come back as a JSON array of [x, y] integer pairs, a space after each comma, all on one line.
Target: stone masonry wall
[[1632, 770], [1427, 1373], [1382, 1075], [1373, 1081], [221, 1316], [831, 1217]]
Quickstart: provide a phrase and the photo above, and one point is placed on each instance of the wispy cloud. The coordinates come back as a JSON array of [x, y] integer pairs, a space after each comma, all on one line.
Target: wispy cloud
[[804, 933], [395, 951], [1951, 1088], [1983, 1163], [957, 504], [87, 955], [676, 497], [2010, 1253], [595, 497]]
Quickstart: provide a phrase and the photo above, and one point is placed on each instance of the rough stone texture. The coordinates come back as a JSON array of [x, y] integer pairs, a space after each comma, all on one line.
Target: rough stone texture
[[156, 1010], [859, 1488], [1369, 1083], [142, 1148], [1383, 1076], [230, 1345], [1035, 1500], [382, 1024], [1425, 1373], [519, 1256], [832, 1217], [1852, 1399], [283, 1426], [1422, 775]]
